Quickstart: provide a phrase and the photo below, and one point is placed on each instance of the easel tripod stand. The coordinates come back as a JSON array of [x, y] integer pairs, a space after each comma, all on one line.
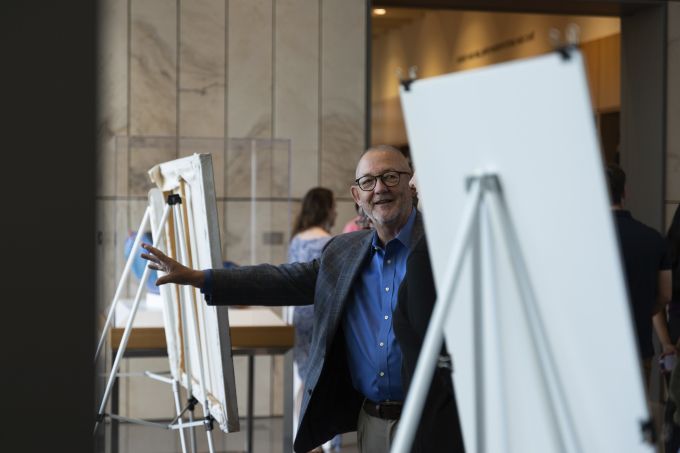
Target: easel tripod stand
[[486, 218], [187, 314]]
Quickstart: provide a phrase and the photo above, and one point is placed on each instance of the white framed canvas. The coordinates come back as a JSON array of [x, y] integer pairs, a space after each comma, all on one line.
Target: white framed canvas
[[209, 345]]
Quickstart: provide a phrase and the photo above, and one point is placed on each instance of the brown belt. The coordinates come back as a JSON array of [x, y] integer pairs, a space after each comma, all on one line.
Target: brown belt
[[389, 410]]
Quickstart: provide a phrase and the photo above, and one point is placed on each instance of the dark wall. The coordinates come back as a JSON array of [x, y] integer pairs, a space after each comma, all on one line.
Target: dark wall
[[47, 56], [643, 112]]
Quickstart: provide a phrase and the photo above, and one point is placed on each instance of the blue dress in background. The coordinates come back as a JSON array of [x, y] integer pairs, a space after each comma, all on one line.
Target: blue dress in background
[[302, 251]]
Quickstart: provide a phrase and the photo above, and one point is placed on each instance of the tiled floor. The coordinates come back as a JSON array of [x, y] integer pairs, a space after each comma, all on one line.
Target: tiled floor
[[267, 437]]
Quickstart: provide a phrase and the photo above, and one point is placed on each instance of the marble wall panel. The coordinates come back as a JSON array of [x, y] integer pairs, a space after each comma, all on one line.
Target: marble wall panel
[[673, 21], [202, 68], [263, 169], [144, 153], [242, 242], [249, 69], [238, 171], [153, 68], [343, 90], [257, 168], [296, 87], [270, 237], [282, 178], [673, 119], [237, 236], [112, 74], [121, 166]]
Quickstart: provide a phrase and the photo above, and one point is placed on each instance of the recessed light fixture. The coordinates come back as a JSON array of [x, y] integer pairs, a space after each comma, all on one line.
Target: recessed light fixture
[[379, 11]]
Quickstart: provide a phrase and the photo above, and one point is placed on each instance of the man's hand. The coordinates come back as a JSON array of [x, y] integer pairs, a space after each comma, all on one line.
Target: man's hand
[[668, 349], [174, 271]]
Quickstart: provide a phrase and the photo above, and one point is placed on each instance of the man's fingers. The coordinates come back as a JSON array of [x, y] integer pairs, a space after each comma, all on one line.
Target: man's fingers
[[151, 258], [162, 280], [153, 250]]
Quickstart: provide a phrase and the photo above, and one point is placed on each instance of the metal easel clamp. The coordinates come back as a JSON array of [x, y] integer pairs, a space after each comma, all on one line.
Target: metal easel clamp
[[174, 199], [209, 419], [488, 182], [406, 83], [648, 431], [572, 38]]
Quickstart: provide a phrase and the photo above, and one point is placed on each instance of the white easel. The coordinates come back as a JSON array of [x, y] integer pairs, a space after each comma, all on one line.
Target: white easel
[[173, 202], [531, 293], [485, 220]]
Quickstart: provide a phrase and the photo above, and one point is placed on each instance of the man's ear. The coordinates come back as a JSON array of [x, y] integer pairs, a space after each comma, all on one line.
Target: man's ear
[[355, 194], [414, 191]]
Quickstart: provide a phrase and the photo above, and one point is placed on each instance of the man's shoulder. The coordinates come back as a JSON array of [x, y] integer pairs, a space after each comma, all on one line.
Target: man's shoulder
[[643, 230], [345, 244], [642, 240], [348, 239]]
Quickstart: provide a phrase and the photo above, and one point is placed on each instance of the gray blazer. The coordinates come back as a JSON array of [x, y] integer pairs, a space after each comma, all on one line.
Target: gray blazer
[[330, 404]]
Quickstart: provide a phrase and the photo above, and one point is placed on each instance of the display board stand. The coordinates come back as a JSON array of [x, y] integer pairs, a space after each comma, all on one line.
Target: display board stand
[[485, 214], [532, 302], [173, 202]]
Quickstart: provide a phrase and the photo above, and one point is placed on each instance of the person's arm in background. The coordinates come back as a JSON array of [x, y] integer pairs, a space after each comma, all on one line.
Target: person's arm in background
[[659, 318]]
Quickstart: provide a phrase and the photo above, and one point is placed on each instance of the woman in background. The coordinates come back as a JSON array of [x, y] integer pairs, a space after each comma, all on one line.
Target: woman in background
[[311, 232], [360, 222]]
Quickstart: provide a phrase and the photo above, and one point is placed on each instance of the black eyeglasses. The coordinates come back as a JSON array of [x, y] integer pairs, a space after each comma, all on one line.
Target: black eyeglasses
[[389, 178]]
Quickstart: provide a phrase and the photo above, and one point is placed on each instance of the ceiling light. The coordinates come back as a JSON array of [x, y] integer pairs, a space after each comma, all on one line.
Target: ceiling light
[[379, 11]]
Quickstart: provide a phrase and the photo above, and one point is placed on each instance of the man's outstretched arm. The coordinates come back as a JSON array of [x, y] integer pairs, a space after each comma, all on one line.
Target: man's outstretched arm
[[264, 284]]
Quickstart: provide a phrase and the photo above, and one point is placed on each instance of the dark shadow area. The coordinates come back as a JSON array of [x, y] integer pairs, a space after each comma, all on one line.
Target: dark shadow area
[[47, 247]]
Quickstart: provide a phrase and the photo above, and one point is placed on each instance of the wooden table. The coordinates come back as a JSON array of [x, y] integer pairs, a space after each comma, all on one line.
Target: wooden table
[[254, 331]]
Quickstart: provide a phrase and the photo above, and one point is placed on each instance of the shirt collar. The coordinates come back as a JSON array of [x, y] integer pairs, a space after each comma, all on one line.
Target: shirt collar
[[404, 235], [622, 213]]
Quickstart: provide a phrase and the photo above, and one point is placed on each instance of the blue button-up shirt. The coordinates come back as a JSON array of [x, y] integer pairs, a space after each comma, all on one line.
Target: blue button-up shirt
[[373, 354]]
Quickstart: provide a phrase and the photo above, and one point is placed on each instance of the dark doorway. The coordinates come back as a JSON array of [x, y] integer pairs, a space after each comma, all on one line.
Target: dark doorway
[[610, 136]]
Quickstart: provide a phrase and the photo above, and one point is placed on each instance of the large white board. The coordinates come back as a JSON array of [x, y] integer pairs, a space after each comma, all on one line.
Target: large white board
[[531, 123], [192, 178]]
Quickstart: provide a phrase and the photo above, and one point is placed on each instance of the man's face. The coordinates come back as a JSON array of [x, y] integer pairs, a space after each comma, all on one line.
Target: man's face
[[385, 206]]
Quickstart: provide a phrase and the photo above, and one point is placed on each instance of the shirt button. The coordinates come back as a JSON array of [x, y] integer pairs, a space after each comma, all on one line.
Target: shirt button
[[389, 261], [387, 317], [382, 374], [387, 289], [382, 344]]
